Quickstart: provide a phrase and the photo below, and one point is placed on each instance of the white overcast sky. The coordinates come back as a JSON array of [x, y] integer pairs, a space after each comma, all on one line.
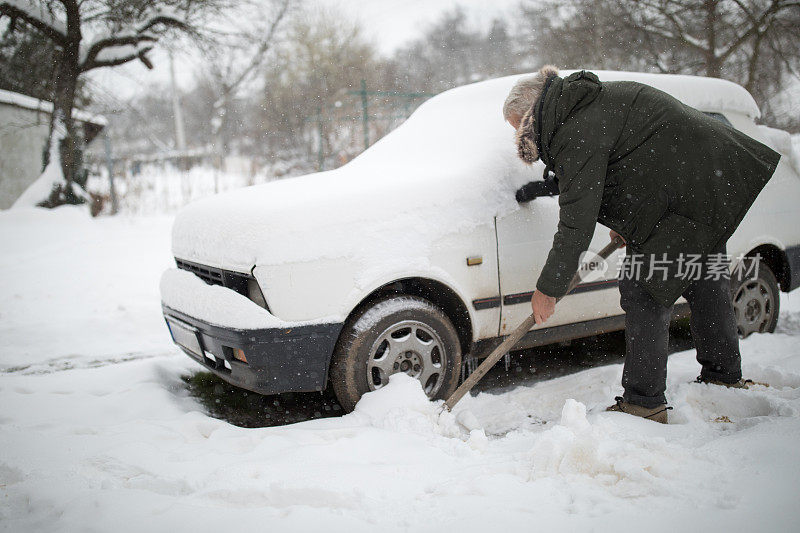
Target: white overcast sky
[[388, 23], [392, 22]]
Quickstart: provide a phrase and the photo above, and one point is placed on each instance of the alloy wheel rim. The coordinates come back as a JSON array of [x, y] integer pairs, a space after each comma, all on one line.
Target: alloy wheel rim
[[411, 347], [754, 306]]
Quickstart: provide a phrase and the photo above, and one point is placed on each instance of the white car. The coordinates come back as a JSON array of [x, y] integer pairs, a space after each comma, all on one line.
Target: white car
[[415, 256]]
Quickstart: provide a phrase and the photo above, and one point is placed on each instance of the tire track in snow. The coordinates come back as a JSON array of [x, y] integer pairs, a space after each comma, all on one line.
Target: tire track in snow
[[69, 362]]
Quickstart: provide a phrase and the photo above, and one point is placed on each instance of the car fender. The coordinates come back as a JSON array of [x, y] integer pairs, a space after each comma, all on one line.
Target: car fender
[[432, 274], [333, 288]]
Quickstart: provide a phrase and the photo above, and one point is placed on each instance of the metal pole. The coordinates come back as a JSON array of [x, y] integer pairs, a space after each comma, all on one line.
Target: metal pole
[[180, 132], [365, 117], [110, 167], [364, 93], [320, 154]]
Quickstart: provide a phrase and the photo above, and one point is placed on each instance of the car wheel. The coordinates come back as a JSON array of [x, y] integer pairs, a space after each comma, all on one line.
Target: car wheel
[[397, 334], [756, 299]]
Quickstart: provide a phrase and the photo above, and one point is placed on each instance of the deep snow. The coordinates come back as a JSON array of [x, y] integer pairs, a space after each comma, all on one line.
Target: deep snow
[[98, 433]]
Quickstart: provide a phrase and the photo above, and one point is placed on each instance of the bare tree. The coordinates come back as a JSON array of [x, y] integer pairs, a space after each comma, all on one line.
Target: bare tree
[[752, 42], [120, 31], [322, 58], [579, 33], [234, 61], [446, 55], [718, 31], [26, 61], [452, 52]]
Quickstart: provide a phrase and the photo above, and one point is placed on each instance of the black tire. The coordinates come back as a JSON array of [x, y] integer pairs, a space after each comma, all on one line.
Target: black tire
[[756, 299], [358, 359]]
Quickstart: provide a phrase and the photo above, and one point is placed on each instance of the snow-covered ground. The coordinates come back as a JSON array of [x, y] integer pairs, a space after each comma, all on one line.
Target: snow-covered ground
[[98, 433]]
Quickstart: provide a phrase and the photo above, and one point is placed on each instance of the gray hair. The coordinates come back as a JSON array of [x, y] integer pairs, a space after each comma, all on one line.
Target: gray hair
[[526, 91]]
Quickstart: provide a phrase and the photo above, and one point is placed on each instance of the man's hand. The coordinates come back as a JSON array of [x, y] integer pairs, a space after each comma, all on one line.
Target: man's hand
[[613, 234], [543, 306]]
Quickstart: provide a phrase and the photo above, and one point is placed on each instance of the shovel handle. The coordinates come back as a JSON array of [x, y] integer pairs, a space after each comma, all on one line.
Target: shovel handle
[[509, 342]]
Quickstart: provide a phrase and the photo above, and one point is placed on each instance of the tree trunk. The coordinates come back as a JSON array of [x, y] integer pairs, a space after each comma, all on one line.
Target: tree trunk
[[63, 101], [713, 63], [752, 64], [71, 146]]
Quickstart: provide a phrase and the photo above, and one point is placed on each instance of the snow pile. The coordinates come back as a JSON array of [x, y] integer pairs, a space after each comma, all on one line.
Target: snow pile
[[402, 406], [758, 402], [40, 190], [98, 432], [629, 457], [782, 142]]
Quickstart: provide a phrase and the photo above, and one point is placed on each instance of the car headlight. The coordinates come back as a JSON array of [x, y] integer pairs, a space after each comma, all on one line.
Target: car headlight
[[255, 294]]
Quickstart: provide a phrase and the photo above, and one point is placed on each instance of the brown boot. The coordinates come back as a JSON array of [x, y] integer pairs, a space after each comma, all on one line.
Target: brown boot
[[741, 384], [656, 414]]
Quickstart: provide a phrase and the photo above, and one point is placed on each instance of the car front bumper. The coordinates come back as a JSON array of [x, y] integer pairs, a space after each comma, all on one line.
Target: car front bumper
[[290, 359]]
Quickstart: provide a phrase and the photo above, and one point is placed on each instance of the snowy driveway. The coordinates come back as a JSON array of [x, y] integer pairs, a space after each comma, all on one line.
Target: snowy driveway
[[98, 433]]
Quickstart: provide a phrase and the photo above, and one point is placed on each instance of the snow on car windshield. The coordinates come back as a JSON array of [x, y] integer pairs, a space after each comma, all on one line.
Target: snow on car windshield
[[450, 167]]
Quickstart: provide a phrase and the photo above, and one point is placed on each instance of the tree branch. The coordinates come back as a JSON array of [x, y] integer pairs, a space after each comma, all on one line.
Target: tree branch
[[166, 20], [782, 57], [140, 54], [47, 28], [141, 34], [646, 24], [654, 52], [258, 57], [109, 42], [755, 28]]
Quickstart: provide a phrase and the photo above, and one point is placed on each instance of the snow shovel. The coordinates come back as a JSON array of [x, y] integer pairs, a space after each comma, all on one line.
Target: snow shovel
[[517, 334]]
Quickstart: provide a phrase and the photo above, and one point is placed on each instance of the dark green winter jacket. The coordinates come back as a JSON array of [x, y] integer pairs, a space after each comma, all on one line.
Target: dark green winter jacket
[[668, 178]]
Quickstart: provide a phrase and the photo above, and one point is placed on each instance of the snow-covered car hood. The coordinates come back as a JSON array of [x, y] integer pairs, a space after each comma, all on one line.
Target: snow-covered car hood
[[451, 166]]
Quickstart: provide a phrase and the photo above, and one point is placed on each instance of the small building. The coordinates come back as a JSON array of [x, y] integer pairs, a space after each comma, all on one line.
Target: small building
[[24, 127]]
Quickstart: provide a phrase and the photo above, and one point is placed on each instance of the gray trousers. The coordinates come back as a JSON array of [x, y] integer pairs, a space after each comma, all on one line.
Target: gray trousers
[[714, 332]]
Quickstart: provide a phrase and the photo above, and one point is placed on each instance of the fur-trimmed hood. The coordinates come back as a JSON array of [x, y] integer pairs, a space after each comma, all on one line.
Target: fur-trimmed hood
[[527, 148], [526, 138]]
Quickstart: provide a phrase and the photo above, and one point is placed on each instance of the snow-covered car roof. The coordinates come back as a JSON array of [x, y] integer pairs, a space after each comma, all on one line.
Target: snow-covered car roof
[[711, 95], [450, 167], [463, 127]]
